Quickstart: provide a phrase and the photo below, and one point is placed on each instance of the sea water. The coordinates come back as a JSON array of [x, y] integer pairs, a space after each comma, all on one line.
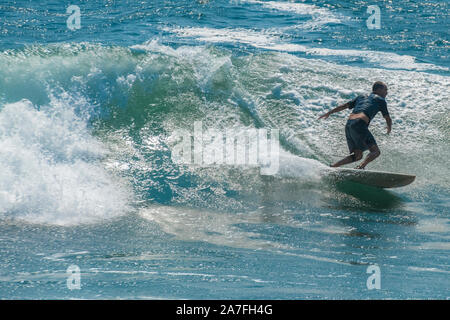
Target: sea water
[[93, 205]]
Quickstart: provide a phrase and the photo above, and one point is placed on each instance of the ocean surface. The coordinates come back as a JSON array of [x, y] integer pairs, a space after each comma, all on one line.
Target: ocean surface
[[93, 205]]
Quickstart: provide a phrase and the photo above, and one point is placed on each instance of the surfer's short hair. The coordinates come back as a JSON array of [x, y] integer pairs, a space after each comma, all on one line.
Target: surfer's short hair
[[378, 85]]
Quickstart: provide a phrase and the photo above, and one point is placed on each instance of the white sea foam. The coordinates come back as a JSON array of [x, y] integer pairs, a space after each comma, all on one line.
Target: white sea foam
[[271, 40], [384, 59], [292, 166], [436, 225], [318, 16], [421, 269], [51, 168], [255, 38]]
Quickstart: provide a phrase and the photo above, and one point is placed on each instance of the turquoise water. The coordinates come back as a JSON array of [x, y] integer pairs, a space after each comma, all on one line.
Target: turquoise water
[[87, 128]]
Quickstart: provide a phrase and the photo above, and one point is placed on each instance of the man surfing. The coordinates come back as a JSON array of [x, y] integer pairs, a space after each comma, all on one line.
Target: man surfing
[[359, 138]]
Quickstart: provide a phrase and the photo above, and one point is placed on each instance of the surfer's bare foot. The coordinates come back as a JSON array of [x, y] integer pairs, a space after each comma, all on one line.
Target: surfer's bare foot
[[360, 167]]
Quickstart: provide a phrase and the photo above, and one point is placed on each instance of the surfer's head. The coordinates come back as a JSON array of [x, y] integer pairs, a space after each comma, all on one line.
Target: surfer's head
[[380, 88]]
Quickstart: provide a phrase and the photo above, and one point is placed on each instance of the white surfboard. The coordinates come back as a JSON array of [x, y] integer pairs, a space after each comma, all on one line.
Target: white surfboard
[[372, 178]]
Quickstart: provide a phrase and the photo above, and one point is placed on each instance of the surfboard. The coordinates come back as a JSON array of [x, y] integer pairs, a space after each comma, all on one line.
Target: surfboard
[[372, 178]]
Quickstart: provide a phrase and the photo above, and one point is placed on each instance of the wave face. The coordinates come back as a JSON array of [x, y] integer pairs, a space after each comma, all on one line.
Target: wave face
[[88, 126], [118, 108]]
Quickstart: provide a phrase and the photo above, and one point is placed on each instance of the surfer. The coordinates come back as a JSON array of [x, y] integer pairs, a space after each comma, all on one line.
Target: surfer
[[359, 138]]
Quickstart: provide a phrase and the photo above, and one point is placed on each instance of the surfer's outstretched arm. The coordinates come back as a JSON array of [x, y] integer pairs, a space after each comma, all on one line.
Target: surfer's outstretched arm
[[389, 123], [337, 109]]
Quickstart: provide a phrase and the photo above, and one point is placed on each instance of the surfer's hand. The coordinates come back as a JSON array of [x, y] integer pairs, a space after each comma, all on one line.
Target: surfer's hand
[[388, 129], [324, 116]]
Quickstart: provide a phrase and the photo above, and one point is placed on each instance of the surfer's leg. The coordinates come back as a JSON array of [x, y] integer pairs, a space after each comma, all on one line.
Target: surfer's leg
[[352, 136], [355, 156], [355, 153], [374, 153]]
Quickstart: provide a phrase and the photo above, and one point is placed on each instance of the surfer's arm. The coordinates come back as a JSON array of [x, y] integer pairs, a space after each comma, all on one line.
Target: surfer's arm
[[389, 123], [337, 109]]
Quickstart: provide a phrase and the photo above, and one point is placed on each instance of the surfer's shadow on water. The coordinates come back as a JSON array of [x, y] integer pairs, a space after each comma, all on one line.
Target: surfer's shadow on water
[[369, 204], [345, 196], [358, 196]]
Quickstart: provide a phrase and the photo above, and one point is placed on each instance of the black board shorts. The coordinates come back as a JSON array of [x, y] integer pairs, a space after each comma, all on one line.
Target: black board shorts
[[358, 135]]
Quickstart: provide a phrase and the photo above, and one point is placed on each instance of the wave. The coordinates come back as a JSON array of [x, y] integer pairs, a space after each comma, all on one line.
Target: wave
[[93, 137]]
